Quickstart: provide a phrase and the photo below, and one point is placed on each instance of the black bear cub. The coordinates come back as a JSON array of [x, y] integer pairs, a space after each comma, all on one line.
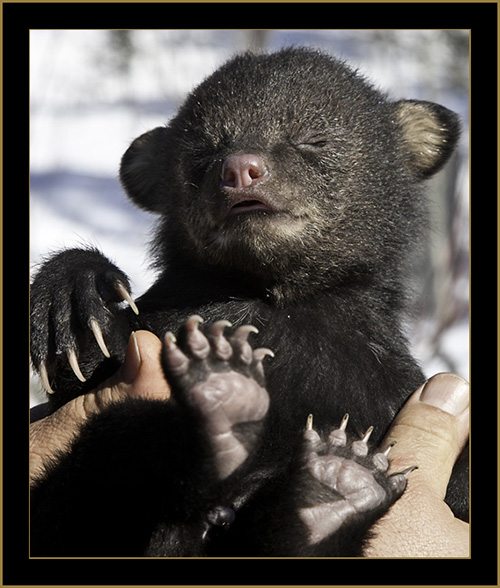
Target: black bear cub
[[290, 202]]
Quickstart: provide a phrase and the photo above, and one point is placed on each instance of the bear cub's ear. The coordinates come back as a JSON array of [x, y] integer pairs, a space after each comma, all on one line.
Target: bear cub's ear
[[431, 133], [141, 168]]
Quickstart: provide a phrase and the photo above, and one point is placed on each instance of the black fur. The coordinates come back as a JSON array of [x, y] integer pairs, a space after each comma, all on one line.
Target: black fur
[[322, 276]]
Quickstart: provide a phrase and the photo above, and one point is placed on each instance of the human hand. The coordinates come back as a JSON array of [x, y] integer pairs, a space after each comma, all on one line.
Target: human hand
[[139, 376], [431, 431]]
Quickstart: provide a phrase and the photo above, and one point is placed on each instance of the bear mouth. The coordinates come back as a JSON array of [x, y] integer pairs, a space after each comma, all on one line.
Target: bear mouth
[[247, 202], [249, 206]]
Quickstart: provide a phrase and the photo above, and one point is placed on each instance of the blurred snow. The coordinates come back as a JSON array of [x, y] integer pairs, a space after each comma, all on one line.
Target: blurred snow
[[93, 92]]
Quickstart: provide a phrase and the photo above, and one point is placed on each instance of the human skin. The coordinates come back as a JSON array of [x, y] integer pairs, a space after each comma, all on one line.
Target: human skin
[[430, 431]]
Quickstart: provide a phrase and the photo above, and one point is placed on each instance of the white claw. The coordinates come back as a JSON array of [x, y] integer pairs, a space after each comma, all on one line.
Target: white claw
[[337, 437], [44, 376], [194, 321], [360, 447], [261, 352], [408, 471], [243, 331], [96, 329], [73, 362], [170, 339], [120, 288], [310, 435], [367, 435], [390, 446], [218, 327]]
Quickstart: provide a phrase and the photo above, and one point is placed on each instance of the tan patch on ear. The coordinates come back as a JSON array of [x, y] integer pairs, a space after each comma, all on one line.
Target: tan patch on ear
[[424, 134]]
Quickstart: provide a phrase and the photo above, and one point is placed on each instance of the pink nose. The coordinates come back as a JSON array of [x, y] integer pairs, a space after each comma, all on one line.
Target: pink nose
[[242, 171]]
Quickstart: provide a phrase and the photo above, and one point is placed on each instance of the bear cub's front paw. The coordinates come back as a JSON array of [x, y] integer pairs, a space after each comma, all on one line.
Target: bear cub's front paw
[[75, 305], [222, 379], [347, 482]]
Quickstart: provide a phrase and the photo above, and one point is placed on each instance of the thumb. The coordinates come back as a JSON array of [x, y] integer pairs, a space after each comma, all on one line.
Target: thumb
[[141, 375], [431, 431]]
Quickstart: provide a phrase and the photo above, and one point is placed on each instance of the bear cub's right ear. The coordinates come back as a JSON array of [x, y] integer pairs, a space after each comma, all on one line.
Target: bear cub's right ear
[[141, 169]]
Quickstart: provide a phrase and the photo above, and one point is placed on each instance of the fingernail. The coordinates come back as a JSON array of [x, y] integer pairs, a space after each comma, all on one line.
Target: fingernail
[[133, 360], [448, 392]]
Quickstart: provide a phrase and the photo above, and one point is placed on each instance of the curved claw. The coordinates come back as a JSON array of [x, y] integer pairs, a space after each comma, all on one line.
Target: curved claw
[[310, 435], [44, 376], [407, 471], [220, 344], [170, 339], [245, 330], [96, 329], [218, 327], [338, 437], [367, 435], [389, 447], [197, 343], [193, 322], [73, 362], [360, 447], [174, 357], [120, 288], [261, 352]]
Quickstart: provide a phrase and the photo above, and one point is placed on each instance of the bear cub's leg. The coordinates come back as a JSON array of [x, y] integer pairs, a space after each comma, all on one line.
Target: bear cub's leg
[[346, 484], [222, 379]]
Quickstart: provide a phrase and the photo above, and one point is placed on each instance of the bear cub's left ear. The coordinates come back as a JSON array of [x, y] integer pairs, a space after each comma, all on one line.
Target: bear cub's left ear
[[431, 133]]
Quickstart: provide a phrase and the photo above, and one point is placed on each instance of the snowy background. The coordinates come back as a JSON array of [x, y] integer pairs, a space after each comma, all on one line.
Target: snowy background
[[93, 92]]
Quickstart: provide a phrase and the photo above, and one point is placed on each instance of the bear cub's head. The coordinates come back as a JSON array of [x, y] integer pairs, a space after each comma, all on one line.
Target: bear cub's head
[[290, 164]]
